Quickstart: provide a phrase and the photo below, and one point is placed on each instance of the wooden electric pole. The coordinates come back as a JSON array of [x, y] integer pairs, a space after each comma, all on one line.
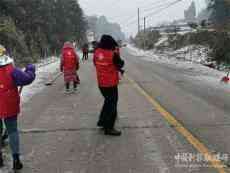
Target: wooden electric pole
[[138, 15], [144, 32], [144, 24]]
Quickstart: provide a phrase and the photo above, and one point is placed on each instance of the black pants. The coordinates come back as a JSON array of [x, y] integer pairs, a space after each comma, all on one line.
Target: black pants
[[85, 55], [109, 110], [67, 85]]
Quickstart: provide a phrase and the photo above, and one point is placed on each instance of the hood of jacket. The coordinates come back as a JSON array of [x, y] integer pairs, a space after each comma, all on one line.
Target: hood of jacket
[[5, 60]]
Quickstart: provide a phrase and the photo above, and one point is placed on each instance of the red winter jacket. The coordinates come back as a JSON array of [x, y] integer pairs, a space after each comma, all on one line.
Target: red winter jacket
[[107, 73], [70, 60], [9, 95]]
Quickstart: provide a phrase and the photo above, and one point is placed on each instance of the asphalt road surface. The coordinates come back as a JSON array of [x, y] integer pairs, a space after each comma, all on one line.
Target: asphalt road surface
[[59, 133]]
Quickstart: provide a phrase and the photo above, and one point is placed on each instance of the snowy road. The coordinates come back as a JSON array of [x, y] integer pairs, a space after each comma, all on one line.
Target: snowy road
[[191, 92], [59, 133]]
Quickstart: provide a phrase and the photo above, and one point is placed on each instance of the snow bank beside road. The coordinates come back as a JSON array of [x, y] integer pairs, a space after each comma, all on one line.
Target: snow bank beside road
[[42, 74], [194, 53], [192, 67], [44, 69]]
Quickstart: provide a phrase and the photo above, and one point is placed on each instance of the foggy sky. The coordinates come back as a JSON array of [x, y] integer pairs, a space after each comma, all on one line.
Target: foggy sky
[[124, 12]]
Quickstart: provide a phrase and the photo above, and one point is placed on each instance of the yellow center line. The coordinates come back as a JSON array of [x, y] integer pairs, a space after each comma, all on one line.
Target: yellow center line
[[215, 163]]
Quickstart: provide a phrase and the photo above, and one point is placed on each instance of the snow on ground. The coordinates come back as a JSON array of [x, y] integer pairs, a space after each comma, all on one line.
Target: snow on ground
[[42, 74], [194, 53], [161, 41], [46, 70], [188, 59]]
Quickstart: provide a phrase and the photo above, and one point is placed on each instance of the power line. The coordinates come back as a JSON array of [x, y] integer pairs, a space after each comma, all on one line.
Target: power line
[[132, 16], [158, 5], [149, 4], [163, 8], [155, 12], [158, 10], [131, 20]]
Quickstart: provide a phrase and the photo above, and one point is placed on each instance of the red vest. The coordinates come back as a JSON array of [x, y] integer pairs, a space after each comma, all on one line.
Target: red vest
[[69, 60], [9, 96], [107, 73]]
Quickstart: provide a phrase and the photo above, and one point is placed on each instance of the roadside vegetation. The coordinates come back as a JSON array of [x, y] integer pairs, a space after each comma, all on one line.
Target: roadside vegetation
[[213, 33], [38, 28]]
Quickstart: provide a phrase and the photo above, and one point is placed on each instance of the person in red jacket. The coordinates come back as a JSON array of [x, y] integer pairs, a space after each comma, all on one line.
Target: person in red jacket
[[10, 79], [108, 63], [85, 51], [70, 65]]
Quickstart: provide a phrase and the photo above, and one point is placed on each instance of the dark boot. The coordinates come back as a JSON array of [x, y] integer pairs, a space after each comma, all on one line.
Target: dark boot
[[75, 86], [17, 164], [1, 160], [100, 124], [112, 132], [4, 138]]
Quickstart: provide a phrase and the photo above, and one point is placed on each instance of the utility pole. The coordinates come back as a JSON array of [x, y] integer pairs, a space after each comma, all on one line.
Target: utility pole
[[144, 32], [144, 24], [138, 13]]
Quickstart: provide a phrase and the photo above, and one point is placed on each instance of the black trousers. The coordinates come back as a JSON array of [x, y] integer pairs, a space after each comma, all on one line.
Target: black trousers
[[67, 85], [108, 113], [85, 55]]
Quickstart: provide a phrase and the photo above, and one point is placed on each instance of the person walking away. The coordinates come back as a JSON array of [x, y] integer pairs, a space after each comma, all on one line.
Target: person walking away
[[10, 79], [85, 52], [69, 66], [107, 64]]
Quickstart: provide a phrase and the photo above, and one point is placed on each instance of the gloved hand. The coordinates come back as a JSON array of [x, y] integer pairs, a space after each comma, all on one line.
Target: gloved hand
[[30, 68], [22, 78], [122, 71]]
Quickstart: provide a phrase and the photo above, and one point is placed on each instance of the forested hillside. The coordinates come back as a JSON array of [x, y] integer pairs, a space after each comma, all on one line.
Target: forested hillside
[[100, 25], [31, 29]]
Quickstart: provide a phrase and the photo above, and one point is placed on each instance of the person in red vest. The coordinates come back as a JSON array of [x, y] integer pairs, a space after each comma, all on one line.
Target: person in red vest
[[108, 63], [10, 79], [69, 66], [85, 51]]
